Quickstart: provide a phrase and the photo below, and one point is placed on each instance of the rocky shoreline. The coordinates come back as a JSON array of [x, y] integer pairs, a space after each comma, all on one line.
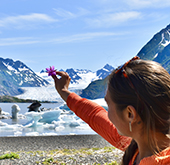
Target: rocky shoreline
[[70, 149]]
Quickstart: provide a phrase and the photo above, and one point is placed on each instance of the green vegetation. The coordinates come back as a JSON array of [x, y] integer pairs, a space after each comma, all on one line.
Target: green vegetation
[[11, 155], [56, 156], [49, 160], [112, 163], [52, 158], [83, 152], [10, 99]]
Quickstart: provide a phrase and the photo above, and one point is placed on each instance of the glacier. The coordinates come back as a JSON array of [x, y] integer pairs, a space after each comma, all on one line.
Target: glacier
[[49, 93]]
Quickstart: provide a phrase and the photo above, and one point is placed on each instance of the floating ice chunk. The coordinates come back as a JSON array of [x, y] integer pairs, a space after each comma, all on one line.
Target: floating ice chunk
[[66, 118], [34, 117], [49, 134], [32, 134], [64, 106], [38, 118], [49, 116], [21, 116], [49, 126], [69, 120], [74, 124], [83, 127], [5, 113], [3, 124], [15, 109], [7, 127], [59, 128], [18, 133]]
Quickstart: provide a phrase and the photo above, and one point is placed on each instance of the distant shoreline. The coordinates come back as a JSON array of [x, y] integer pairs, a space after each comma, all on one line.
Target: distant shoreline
[[12, 99]]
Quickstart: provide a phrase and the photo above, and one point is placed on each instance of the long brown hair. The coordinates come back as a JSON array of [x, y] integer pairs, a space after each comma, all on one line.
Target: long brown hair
[[151, 98]]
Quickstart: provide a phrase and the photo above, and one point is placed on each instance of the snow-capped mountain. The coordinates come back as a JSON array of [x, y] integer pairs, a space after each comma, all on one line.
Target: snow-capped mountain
[[73, 75], [158, 43], [81, 78], [15, 74], [158, 48], [104, 72]]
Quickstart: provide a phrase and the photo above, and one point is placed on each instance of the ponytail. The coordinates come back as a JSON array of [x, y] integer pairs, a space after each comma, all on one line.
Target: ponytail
[[129, 153]]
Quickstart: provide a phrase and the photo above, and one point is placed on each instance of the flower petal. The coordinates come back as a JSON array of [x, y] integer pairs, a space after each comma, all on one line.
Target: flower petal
[[52, 68], [54, 73], [51, 71], [47, 69]]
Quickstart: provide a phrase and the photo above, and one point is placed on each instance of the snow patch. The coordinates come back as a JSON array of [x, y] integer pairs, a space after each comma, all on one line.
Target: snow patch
[[155, 55], [166, 43], [9, 72], [23, 69]]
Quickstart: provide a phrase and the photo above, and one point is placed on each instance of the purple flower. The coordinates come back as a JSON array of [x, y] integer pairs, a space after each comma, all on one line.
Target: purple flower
[[51, 71]]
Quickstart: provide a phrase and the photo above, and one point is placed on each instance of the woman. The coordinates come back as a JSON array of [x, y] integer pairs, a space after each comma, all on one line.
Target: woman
[[138, 117]]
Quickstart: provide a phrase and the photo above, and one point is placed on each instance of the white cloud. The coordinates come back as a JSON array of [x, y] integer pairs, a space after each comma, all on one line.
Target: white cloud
[[113, 19], [82, 37], [133, 4], [17, 41], [24, 20], [147, 3], [68, 39], [69, 15], [65, 14]]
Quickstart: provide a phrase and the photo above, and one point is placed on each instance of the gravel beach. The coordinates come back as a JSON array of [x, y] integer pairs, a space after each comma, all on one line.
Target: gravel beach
[[69, 149]]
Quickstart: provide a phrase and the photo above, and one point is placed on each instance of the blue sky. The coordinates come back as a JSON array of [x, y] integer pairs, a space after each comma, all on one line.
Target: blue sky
[[80, 34]]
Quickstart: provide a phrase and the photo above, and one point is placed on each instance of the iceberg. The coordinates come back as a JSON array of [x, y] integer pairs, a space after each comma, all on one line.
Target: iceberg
[[7, 127], [54, 121], [49, 116]]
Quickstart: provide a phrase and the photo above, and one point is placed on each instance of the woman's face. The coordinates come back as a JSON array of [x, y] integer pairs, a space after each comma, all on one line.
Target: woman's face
[[115, 116]]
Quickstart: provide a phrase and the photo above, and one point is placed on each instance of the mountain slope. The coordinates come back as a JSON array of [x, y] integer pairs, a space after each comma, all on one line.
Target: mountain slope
[[15, 74], [157, 49], [159, 41], [73, 75], [96, 89], [104, 72], [164, 58]]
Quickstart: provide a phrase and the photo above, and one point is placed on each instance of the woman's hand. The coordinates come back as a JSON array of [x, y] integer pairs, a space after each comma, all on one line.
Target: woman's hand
[[62, 84]]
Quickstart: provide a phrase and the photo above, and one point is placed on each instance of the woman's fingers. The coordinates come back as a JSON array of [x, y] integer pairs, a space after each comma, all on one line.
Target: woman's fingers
[[63, 81], [62, 73], [62, 84]]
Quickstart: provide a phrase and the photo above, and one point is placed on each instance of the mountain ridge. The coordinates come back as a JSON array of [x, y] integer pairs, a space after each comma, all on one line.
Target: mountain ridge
[[14, 75], [156, 49], [49, 93], [79, 75]]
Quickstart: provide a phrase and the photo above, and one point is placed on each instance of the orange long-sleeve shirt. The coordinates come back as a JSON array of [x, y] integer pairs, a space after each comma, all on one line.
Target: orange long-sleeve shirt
[[97, 118]]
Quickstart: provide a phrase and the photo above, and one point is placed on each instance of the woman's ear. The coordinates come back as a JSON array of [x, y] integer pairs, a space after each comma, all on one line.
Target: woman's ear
[[132, 119], [131, 114]]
